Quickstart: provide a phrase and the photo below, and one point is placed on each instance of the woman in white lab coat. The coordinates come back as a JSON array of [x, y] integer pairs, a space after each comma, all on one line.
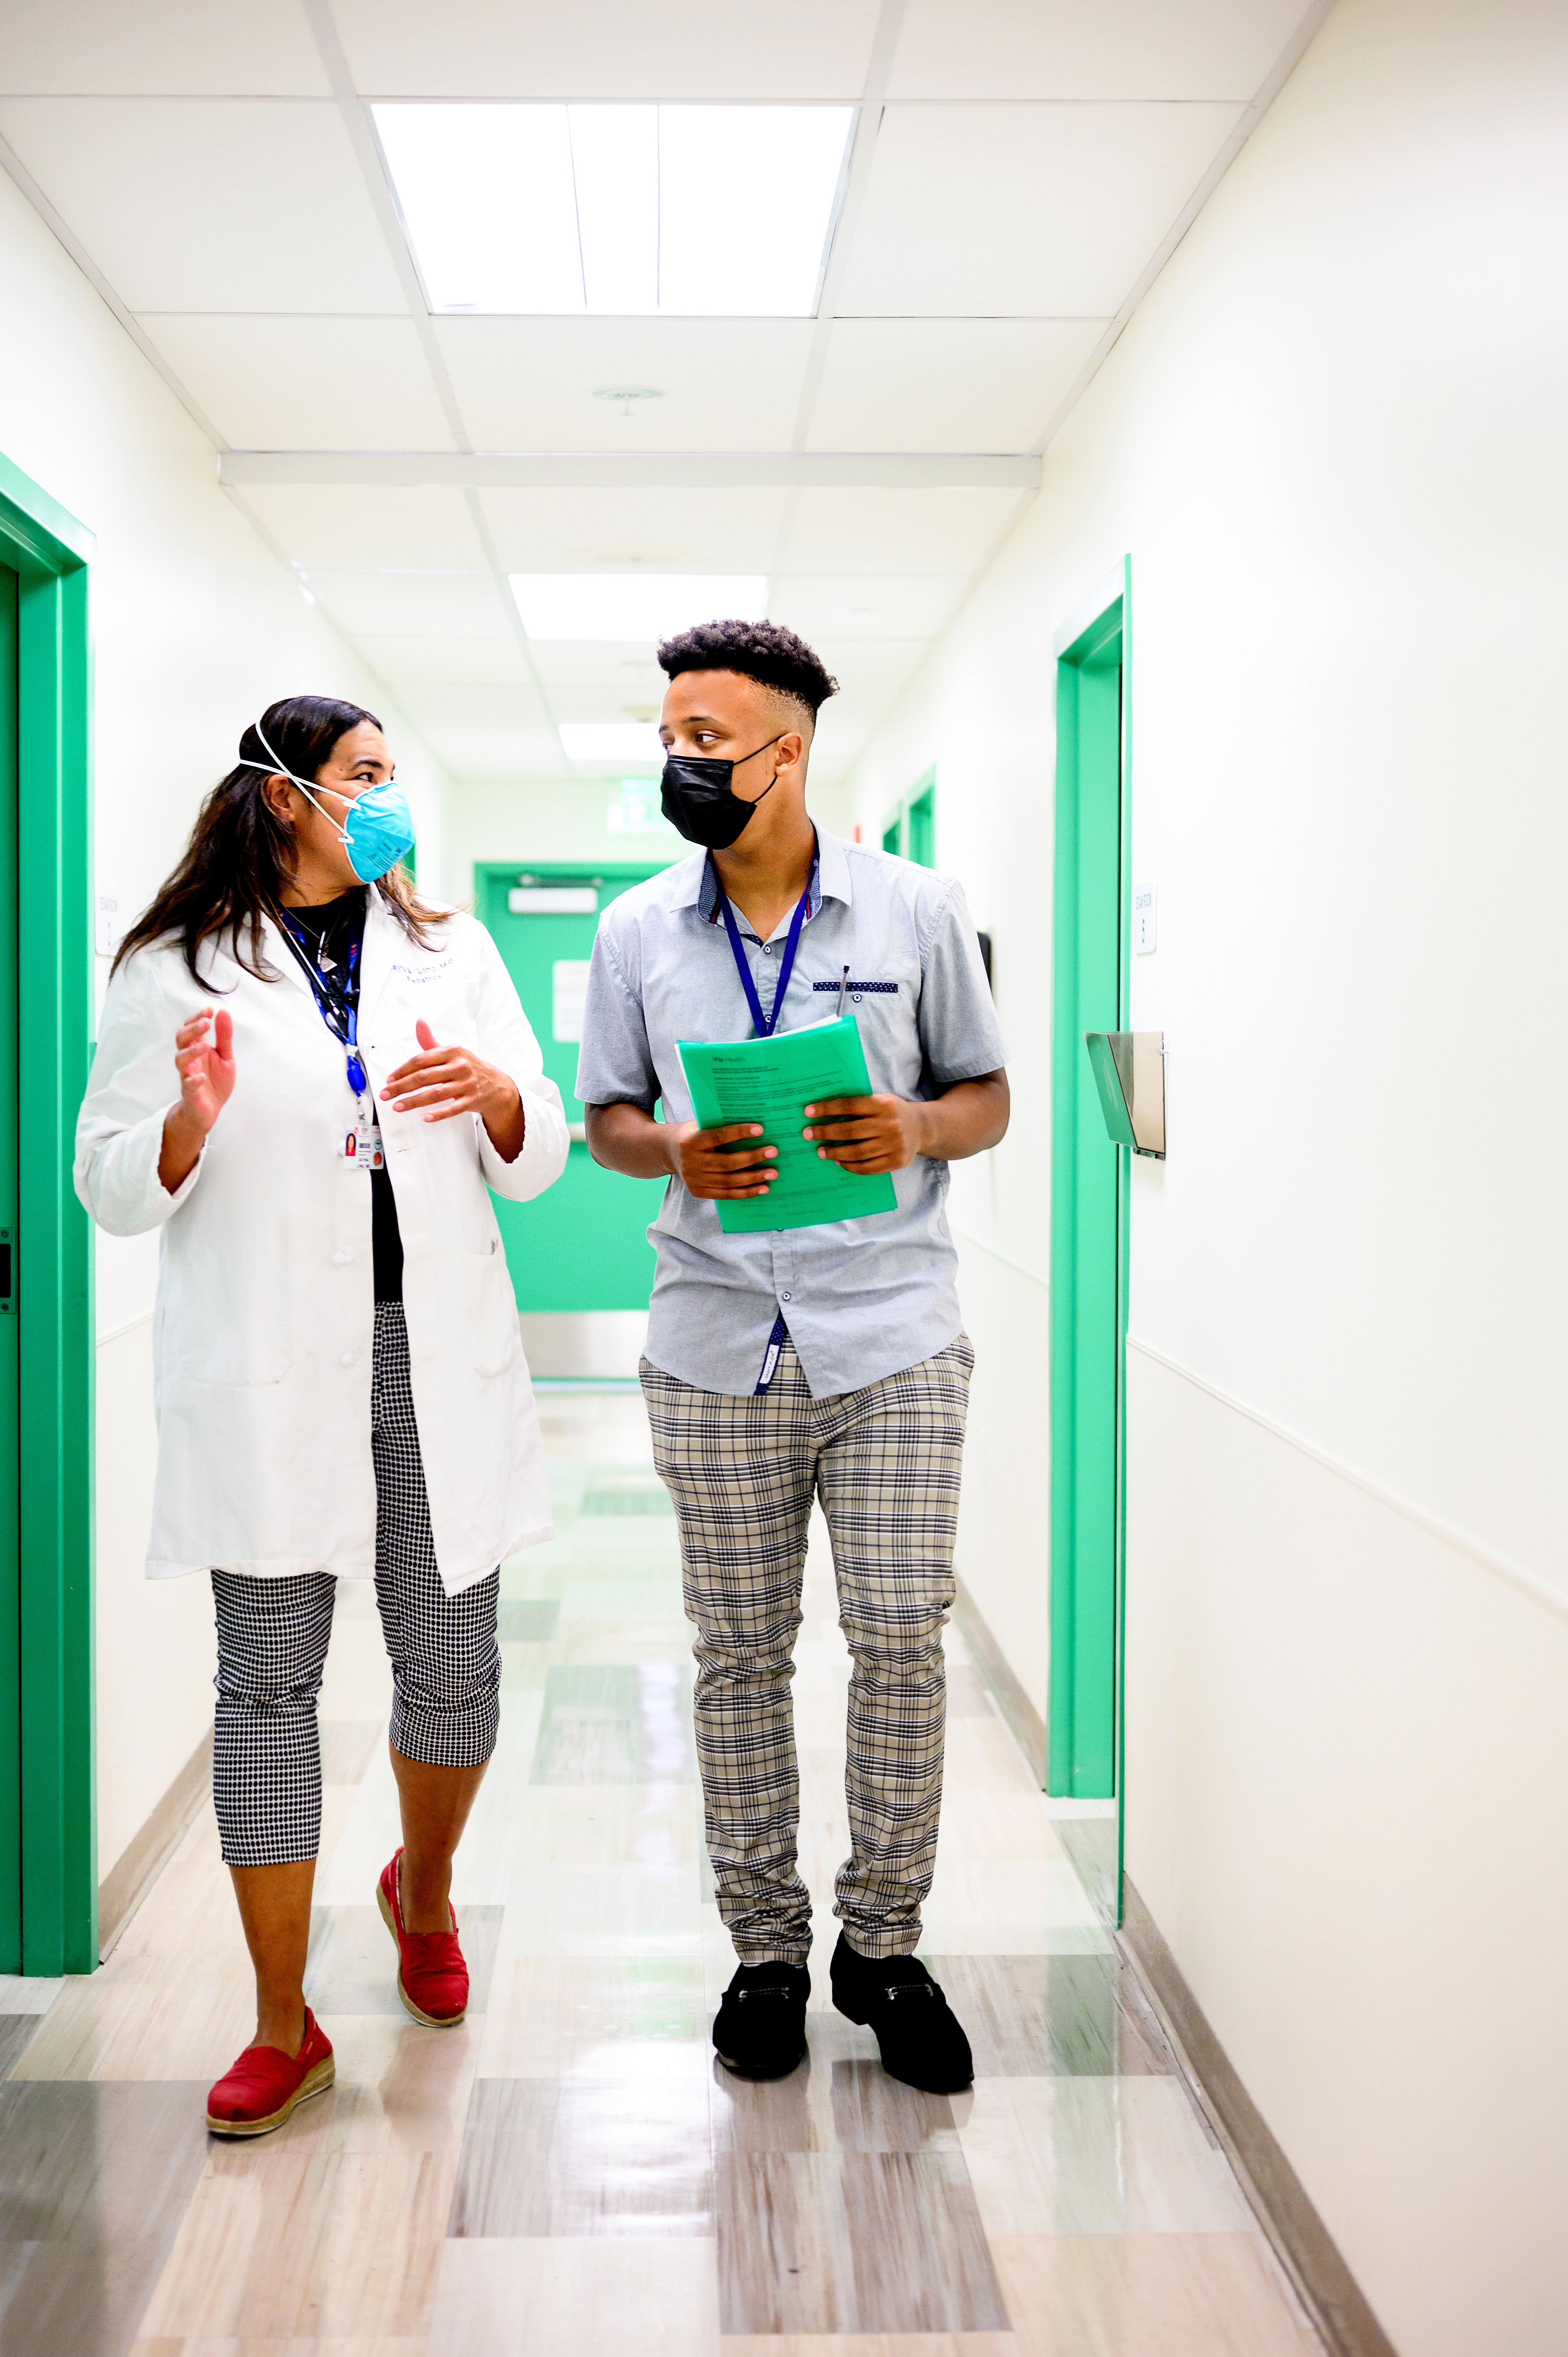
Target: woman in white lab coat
[[306, 1080]]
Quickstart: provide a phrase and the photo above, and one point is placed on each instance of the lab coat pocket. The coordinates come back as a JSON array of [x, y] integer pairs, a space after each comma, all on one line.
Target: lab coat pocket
[[490, 1311]]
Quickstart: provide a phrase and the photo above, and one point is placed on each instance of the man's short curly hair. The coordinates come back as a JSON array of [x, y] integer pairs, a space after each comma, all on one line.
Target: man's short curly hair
[[764, 652]]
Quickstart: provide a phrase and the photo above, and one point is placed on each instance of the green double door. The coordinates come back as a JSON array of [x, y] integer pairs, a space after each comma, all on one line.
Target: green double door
[[582, 1245]]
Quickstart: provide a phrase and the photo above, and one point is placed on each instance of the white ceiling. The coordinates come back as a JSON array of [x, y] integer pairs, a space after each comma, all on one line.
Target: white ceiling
[[1021, 165]]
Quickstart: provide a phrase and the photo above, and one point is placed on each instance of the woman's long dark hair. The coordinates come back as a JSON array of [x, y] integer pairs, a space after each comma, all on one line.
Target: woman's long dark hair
[[241, 854]]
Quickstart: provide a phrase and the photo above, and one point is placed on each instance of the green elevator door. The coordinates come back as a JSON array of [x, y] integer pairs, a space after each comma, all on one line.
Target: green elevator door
[[10, 1502], [582, 1244]]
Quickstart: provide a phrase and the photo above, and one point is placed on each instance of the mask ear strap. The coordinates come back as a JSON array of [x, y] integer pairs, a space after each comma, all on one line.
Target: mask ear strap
[[279, 770]]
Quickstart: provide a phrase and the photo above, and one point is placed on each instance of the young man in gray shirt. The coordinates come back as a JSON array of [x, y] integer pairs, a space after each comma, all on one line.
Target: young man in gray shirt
[[826, 1361]]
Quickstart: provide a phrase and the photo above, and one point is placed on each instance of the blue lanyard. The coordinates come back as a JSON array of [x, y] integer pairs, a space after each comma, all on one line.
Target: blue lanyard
[[344, 1002], [765, 1024]]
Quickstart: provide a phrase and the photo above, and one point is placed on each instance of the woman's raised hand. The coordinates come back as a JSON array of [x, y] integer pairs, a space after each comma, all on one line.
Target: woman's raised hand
[[206, 1069], [441, 1083]]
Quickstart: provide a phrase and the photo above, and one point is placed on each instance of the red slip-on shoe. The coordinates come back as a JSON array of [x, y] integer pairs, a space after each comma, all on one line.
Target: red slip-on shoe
[[432, 1978], [260, 2090]]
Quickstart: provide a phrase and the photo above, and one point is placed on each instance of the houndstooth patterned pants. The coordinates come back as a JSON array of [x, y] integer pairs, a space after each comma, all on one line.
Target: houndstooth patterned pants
[[272, 1649], [743, 1471]]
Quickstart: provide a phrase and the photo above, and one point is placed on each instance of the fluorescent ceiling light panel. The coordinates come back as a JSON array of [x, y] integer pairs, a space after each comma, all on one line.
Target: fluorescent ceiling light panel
[[615, 155], [701, 211], [746, 201], [491, 216], [611, 740], [633, 605]]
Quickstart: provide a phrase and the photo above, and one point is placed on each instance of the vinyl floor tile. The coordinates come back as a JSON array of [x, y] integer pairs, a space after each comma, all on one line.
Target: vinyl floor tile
[[602, 1910], [868, 2344], [289, 2239], [93, 2181], [1149, 2295], [399, 2085], [352, 1965], [16, 2032], [1033, 2017], [21, 1993], [996, 1824], [189, 1911], [621, 1725], [982, 1754], [596, 2297], [346, 1745], [609, 1825], [621, 2146], [334, 2345], [1098, 2157], [840, 2100], [549, 2014], [852, 2242], [528, 1620], [146, 2017]]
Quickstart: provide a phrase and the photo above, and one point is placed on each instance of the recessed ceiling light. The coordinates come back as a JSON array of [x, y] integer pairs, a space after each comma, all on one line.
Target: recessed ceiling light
[[619, 211], [633, 605], [610, 740]]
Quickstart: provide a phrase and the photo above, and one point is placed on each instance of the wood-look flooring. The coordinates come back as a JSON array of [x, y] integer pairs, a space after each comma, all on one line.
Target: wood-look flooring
[[571, 2174]]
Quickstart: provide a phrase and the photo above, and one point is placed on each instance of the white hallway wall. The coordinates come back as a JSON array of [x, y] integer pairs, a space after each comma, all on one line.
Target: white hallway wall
[[1332, 443], [197, 627]]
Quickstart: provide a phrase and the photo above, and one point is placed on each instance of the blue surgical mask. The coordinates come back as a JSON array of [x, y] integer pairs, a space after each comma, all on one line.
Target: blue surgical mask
[[378, 829]]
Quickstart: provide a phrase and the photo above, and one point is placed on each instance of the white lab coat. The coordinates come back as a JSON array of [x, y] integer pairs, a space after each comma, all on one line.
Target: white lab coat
[[264, 1319]]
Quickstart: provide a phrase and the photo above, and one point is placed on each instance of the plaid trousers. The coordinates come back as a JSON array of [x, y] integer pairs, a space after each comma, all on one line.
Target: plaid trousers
[[743, 1471]]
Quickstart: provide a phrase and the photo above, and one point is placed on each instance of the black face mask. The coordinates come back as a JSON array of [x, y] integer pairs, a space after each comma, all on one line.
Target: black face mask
[[697, 798]]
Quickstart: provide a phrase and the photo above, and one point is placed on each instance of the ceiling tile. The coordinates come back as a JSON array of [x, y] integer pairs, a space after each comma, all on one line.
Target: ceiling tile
[[1066, 49], [870, 666], [947, 384], [378, 524], [617, 49], [667, 531], [210, 205], [1021, 210], [405, 663], [869, 532], [864, 606], [572, 669], [404, 604], [722, 385], [498, 752], [312, 384], [433, 706], [181, 48]]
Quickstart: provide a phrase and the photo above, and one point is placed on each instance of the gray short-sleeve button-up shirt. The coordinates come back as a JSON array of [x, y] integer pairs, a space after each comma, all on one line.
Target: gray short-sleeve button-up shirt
[[861, 1299]]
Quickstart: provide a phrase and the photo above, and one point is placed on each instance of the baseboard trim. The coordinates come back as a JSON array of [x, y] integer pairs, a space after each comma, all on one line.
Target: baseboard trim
[[1029, 1727], [149, 1849], [1338, 2306]]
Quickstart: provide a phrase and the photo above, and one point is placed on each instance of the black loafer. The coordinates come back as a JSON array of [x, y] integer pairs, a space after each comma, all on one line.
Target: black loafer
[[759, 2030], [920, 2037]]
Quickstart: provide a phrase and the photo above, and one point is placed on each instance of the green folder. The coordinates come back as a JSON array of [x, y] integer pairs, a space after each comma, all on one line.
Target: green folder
[[773, 1082]]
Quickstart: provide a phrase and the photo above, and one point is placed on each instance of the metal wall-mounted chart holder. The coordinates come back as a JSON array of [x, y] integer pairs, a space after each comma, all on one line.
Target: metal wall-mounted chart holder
[[1129, 1069]]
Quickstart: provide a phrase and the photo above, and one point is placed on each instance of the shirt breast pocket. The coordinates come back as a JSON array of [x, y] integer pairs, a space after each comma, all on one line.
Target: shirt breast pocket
[[884, 1008]]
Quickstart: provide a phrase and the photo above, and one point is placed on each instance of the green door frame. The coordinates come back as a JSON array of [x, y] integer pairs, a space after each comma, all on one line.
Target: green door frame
[[910, 827], [1089, 1187], [50, 552]]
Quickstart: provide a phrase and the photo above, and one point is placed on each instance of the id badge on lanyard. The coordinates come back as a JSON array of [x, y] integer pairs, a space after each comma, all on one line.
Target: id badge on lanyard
[[362, 1147], [766, 1026]]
